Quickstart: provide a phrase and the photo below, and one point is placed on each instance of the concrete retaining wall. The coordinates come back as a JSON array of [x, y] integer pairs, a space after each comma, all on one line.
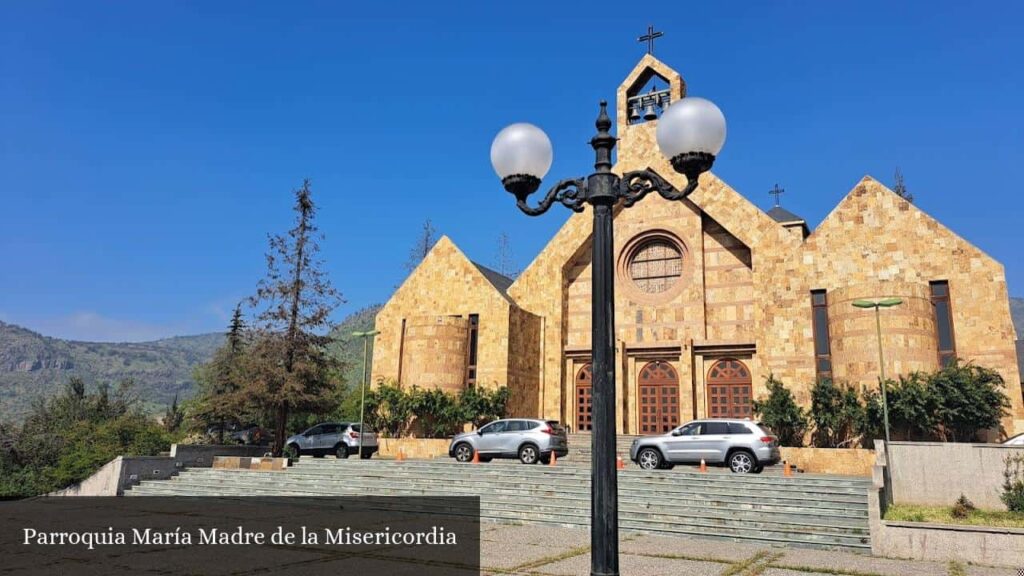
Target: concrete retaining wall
[[123, 472], [201, 455], [935, 474], [120, 473], [973, 544], [842, 461]]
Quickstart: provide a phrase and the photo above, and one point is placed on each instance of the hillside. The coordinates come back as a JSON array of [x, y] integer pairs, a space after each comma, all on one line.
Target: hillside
[[33, 365], [350, 350]]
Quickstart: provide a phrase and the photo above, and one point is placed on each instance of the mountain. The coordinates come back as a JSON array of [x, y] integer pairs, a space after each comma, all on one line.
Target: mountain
[[1017, 312], [349, 349], [33, 365]]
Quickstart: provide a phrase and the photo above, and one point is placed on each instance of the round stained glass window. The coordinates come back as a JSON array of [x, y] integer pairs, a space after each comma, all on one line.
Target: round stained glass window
[[656, 266]]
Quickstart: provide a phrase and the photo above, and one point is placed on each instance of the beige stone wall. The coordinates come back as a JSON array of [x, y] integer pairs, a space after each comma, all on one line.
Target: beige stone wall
[[842, 461], [908, 332], [446, 283], [876, 239], [524, 363], [729, 285], [435, 350]]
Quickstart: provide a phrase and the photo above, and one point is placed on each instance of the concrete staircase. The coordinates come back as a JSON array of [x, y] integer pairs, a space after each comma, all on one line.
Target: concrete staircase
[[814, 511]]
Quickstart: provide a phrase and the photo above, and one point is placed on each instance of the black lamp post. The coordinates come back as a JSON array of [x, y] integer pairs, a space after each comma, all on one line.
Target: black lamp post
[[690, 133]]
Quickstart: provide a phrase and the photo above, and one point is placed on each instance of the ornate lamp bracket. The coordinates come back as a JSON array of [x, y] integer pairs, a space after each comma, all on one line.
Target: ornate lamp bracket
[[571, 193], [638, 183]]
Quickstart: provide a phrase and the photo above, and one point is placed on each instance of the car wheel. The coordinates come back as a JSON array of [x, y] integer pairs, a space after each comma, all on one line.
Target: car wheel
[[366, 455], [649, 459], [291, 451], [742, 462], [545, 460], [341, 451], [463, 452], [759, 468], [528, 454]]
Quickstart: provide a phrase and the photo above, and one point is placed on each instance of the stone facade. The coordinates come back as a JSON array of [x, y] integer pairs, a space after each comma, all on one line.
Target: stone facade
[[737, 296]]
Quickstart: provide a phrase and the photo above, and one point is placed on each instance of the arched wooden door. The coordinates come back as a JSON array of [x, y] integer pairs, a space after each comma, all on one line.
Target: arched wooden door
[[658, 389], [584, 403], [729, 390]]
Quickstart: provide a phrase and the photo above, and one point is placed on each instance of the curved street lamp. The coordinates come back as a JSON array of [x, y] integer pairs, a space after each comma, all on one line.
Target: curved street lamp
[[690, 133], [878, 305]]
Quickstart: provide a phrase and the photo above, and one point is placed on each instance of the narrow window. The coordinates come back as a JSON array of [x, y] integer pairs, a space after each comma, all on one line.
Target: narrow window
[[943, 322], [822, 348], [474, 328]]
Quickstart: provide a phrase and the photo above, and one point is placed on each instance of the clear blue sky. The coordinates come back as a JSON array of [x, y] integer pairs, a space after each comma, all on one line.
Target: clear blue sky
[[147, 148]]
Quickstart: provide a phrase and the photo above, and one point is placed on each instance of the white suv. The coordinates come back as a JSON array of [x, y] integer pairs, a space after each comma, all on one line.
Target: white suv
[[338, 438], [743, 445]]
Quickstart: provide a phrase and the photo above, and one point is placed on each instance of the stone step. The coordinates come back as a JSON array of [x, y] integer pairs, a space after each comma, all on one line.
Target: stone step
[[802, 481], [806, 510], [651, 489], [683, 504], [648, 521]]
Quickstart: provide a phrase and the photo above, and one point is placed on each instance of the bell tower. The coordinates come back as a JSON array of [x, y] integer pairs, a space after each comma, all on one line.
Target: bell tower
[[640, 100]]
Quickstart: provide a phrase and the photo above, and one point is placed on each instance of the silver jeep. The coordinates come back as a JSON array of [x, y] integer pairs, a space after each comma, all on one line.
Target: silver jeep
[[529, 440], [338, 438], [743, 445]]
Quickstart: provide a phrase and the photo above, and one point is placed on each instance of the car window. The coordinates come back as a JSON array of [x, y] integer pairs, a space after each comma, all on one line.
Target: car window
[[315, 430], [713, 428], [518, 426], [494, 427], [737, 428], [690, 429], [356, 427]]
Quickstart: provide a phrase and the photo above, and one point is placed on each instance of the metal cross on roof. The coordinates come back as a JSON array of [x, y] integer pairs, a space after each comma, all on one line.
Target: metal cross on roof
[[649, 38], [777, 192]]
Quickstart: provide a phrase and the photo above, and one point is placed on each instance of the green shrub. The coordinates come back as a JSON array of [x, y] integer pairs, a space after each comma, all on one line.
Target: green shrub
[[1013, 483], [963, 507], [391, 409], [779, 412], [837, 413]]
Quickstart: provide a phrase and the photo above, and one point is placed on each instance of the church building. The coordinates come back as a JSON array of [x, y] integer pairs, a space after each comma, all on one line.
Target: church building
[[712, 295]]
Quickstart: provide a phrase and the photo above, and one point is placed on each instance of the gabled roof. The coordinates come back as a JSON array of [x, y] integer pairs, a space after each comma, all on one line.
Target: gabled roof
[[498, 280], [783, 216]]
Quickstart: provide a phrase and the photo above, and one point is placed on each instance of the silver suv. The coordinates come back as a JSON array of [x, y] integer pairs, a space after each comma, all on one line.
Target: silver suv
[[743, 445], [529, 440], [338, 438]]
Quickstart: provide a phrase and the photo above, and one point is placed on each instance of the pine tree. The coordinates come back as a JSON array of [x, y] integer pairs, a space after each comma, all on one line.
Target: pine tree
[[173, 417], [900, 187], [419, 250], [219, 380], [288, 367]]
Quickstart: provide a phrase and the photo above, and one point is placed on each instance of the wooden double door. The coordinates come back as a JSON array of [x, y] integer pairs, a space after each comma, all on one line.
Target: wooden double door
[[657, 392], [729, 390]]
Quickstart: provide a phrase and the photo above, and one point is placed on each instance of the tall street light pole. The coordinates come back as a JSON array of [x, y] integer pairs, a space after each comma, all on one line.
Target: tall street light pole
[[690, 133], [878, 305], [366, 376]]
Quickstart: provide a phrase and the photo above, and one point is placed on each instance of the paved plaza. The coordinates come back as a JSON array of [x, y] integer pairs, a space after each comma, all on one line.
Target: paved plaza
[[554, 551]]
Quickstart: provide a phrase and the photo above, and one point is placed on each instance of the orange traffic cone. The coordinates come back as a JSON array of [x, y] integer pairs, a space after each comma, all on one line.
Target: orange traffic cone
[[786, 471], [476, 457], [554, 459], [400, 456], [703, 466], [619, 464]]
